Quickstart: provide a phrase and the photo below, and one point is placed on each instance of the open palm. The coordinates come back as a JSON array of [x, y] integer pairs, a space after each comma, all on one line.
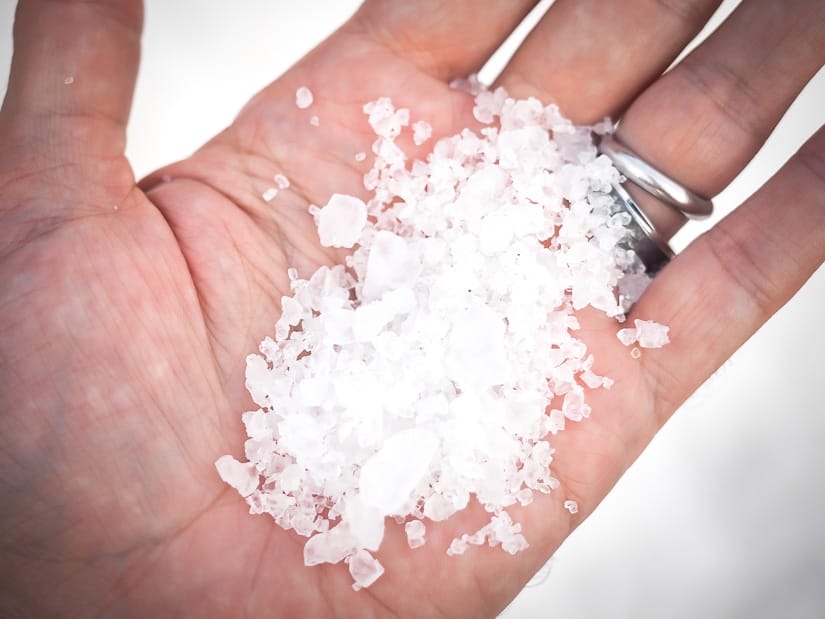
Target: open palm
[[126, 312]]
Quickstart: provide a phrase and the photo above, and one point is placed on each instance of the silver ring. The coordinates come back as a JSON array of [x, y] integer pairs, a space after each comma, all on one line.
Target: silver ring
[[659, 185], [642, 237]]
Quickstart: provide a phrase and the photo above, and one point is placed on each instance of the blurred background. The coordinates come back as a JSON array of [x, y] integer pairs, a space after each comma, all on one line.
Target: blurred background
[[724, 514]]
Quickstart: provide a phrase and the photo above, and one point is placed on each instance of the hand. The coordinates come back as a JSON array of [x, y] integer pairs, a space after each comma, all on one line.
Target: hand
[[126, 311]]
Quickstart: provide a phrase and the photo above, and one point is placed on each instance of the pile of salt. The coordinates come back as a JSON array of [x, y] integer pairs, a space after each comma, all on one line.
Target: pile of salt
[[418, 374]]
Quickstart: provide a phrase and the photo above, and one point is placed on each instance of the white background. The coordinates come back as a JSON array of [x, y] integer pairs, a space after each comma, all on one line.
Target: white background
[[724, 514]]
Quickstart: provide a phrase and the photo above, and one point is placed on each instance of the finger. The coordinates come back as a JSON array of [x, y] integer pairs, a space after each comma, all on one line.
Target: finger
[[592, 57], [73, 73], [705, 120], [728, 282], [444, 39]]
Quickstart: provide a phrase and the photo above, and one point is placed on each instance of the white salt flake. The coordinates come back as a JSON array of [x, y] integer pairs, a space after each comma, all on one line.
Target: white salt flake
[[571, 506], [360, 156], [282, 181], [627, 336], [364, 569], [651, 334], [303, 97], [422, 130], [269, 194], [240, 475], [314, 120], [415, 531], [68, 80], [648, 333], [635, 353], [341, 221]]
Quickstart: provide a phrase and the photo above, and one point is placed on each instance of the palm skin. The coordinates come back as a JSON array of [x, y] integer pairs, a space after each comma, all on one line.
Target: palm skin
[[125, 316]]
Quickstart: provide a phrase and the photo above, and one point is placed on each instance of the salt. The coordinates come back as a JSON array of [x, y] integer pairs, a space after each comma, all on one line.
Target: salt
[[419, 375], [314, 121], [240, 475], [571, 506], [341, 221], [422, 130], [303, 97], [415, 531], [648, 333], [269, 194], [364, 569]]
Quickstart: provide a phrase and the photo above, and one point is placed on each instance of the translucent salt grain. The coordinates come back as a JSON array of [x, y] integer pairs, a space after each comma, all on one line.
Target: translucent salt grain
[[360, 156], [68, 80], [415, 531], [648, 333], [635, 353], [422, 130], [341, 221], [364, 569], [314, 121], [651, 334], [303, 97], [269, 194], [240, 475], [627, 336], [282, 181], [571, 506]]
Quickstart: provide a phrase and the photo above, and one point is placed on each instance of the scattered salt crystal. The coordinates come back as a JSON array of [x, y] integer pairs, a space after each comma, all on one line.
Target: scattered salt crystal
[[651, 334], [422, 130], [68, 80], [341, 221], [360, 156], [648, 333], [364, 569], [269, 194], [635, 353], [303, 97], [571, 506], [415, 531], [627, 336], [314, 120], [282, 181]]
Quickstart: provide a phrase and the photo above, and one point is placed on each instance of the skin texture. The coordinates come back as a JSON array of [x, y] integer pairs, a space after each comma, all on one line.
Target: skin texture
[[126, 309]]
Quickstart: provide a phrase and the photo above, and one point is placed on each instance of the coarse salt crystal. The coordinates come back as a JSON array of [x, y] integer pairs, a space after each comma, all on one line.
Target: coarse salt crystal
[[651, 334], [314, 120], [422, 130], [571, 506], [364, 569], [648, 333], [240, 475], [269, 194], [360, 156], [415, 531], [282, 181], [341, 221], [303, 97]]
